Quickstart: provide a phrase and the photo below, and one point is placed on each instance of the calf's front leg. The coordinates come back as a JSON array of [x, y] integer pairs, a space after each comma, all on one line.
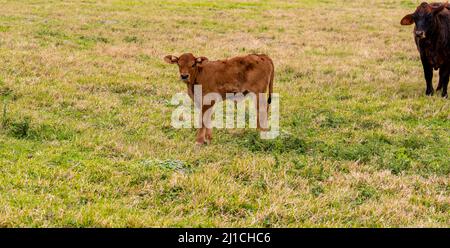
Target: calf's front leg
[[204, 134], [208, 135], [200, 140]]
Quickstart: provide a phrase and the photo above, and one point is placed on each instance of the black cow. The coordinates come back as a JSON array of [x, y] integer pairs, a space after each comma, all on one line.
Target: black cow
[[432, 36]]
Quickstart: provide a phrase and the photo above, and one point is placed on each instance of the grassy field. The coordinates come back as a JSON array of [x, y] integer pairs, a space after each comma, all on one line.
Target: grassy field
[[86, 139]]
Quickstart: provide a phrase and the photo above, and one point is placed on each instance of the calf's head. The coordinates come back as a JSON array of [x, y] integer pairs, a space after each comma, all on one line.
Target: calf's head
[[424, 18], [188, 65]]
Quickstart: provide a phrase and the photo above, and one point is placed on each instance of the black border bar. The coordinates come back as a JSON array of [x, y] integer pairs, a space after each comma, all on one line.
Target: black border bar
[[224, 237]]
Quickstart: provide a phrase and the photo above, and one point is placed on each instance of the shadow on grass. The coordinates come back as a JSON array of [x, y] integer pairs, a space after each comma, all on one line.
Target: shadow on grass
[[23, 128], [252, 141]]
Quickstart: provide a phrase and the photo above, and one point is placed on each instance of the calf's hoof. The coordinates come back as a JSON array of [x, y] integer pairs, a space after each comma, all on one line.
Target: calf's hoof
[[201, 142], [260, 129], [429, 92], [445, 95], [208, 139], [198, 146]]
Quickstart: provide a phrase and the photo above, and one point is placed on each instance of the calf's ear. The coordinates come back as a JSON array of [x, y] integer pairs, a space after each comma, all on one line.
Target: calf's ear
[[407, 20], [171, 59], [200, 60]]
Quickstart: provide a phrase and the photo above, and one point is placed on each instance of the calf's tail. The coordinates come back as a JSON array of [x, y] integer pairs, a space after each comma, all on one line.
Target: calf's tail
[[272, 74]]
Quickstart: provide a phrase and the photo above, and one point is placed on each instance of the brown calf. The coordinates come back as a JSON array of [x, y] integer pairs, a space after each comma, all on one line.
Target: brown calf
[[252, 73]]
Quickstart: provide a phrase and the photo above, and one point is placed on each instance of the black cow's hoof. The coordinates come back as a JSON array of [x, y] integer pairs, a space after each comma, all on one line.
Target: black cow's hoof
[[445, 95], [429, 92]]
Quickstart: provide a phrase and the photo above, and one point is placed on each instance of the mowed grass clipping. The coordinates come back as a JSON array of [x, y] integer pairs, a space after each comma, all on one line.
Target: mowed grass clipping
[[86, 138]]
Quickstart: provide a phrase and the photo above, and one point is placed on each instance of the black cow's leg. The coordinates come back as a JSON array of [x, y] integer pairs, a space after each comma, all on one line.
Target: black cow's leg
[[439, 87], [428, 72], [443, 79]]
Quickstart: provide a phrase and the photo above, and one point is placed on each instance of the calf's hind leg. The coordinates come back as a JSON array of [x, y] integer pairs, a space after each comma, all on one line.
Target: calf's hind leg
[[262, 112]]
